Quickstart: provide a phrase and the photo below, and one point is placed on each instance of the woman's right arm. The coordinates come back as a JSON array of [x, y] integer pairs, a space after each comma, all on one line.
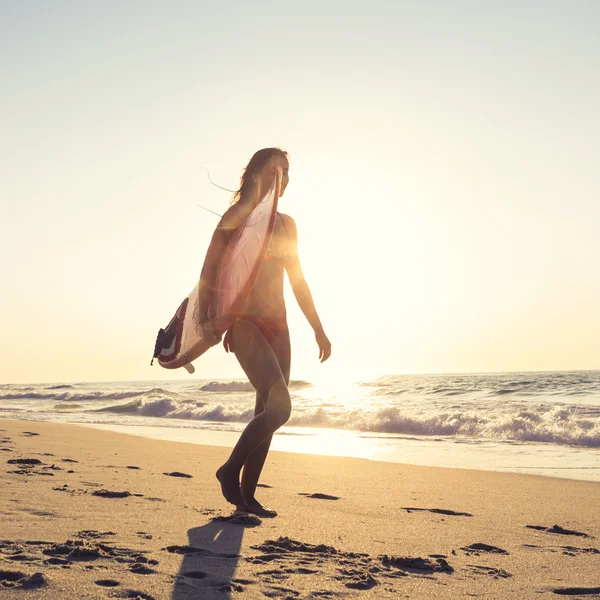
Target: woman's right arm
[[209, 271], [216, 250]]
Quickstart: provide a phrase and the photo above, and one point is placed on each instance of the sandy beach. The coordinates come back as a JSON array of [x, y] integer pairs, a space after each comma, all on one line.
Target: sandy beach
[[96, 514]]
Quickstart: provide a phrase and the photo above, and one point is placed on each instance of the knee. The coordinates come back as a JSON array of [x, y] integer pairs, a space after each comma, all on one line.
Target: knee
[[284, 412], [279, 405]]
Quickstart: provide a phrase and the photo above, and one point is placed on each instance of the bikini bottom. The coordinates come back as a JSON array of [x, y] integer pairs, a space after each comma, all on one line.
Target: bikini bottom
[[270, 327]]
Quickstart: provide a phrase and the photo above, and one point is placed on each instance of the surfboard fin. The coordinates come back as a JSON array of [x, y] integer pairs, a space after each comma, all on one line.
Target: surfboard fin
[[189, 368]]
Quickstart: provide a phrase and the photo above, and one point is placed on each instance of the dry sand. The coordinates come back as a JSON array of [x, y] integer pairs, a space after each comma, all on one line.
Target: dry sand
[[387, 531]]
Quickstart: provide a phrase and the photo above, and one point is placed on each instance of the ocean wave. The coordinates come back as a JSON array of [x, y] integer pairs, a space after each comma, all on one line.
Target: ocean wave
[[130, 408], [489, 385], [76, 397], [558, 425], [246, 386], [165, 407], [559, 409], [227, 386], [298, 384]]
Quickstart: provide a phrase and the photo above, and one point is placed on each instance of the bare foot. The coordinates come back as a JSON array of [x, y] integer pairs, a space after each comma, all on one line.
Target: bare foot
[[230, 485], [256, 508]]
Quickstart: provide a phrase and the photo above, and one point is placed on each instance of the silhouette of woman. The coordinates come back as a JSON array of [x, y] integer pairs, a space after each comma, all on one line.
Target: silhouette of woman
[[259, 337]]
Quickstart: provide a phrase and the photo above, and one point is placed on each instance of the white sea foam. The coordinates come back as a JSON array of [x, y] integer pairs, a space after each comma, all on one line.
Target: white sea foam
[[244, 386], [70, 396], [555, 408], [227, 386], [550, 424]]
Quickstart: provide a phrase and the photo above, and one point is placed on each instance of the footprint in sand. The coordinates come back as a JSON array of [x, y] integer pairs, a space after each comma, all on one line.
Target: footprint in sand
[[28, 467], [24, 461], [558, 530], [485, 570], [319, 496], [481, 547], [74, 551], [141, 569], [72, 554], [416, 564], [72, 492], [27, 472], [111, 494], [577, 591], [55, 560], [92, 534], [239, 518], [568, 550], [354, 570], [358, 580], [16, 579], [438, 511], [22, 558], [178, 474], [107, 582]]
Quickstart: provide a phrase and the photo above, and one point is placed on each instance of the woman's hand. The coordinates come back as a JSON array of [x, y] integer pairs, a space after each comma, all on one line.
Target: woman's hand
[[324, 345]]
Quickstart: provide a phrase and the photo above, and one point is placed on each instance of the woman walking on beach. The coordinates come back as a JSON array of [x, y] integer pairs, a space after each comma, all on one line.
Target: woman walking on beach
[[259, 337]]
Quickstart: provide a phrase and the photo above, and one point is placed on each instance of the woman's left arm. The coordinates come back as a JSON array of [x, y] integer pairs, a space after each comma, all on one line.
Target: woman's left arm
[[302, 291]]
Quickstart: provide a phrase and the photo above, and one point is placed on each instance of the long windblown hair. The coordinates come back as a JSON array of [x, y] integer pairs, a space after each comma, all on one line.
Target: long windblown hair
[[254, 167]]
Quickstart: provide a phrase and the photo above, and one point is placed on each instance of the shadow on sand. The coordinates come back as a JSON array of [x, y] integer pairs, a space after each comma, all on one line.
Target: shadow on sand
[[209, 562]]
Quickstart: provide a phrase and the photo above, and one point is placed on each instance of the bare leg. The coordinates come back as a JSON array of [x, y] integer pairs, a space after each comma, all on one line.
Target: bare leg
[[252, 470], [254, 465], [259, 361]]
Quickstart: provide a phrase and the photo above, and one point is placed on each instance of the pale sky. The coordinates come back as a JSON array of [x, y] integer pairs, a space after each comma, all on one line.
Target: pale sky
[[444, 178]]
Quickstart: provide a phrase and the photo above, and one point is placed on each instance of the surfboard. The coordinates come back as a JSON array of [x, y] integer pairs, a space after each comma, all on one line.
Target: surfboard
[[181, 341]]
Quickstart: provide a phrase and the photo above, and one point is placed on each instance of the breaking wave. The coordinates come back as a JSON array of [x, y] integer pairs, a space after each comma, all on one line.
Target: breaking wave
[[555, 425], [230, 386], [245, 386], [559, 408], [78, 396], [165, 407]]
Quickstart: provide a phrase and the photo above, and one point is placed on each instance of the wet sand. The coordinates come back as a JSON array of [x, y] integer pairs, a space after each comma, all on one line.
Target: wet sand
[[95, 514]]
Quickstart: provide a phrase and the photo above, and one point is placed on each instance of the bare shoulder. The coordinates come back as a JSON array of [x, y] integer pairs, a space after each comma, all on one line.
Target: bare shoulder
[[289, 223], [233, 216]]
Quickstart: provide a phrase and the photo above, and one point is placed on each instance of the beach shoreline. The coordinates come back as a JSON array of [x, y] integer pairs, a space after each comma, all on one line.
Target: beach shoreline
[[426, 451], [99, 516], [545, 424]]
